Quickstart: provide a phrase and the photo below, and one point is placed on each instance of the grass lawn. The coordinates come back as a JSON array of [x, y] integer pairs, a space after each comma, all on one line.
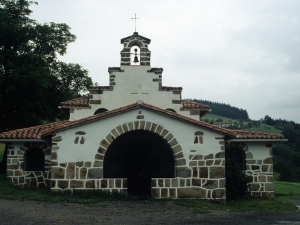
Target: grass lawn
[[13, 192], [287, 189], [210, 116], [10, 191], [265, 128]]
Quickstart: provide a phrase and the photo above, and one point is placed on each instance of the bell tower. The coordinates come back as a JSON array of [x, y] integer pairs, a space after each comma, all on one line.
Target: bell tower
[[135, 51]]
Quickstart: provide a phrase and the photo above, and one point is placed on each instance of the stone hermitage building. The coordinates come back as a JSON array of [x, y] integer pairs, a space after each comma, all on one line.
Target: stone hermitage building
[[136, 136]]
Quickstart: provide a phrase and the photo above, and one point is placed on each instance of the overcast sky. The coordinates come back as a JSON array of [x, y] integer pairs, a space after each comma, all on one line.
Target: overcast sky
[[243, 53]]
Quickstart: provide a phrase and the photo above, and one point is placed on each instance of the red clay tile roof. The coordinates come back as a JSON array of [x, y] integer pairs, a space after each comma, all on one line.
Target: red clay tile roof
[[241, 134], [47, 129], [193, 105], [82, 102], [31, 132]]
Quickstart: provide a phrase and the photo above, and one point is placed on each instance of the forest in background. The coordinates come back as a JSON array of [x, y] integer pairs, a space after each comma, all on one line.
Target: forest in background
[[286, 155], [226, 110]]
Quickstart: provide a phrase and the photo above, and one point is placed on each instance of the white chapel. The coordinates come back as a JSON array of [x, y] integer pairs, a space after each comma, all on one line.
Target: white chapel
[[137, 137]]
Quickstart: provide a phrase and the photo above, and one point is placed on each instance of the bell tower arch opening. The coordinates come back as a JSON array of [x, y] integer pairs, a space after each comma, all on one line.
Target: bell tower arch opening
[[135, 55], [139, 155], [142, 54]]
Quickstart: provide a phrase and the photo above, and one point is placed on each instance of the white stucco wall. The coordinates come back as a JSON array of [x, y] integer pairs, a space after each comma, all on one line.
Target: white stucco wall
[[98, 130], [259, 150], [134, 79]]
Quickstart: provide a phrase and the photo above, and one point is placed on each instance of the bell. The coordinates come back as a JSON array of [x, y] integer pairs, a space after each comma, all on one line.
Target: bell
[[136, 60]]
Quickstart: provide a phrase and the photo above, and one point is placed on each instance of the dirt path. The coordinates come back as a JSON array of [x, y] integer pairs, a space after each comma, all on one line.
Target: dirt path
[[129, 212]]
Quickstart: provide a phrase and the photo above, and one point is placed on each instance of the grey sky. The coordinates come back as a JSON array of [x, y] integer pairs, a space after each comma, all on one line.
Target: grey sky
[[243, 53]]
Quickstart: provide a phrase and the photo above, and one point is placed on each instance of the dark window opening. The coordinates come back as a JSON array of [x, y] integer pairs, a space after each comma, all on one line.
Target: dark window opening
[[34, 160], [172, 110], [139, 156], [100, 111]]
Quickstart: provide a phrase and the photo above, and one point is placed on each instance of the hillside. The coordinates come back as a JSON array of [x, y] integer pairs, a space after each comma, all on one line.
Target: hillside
[[223, 109], [286, 155], [262, 127]]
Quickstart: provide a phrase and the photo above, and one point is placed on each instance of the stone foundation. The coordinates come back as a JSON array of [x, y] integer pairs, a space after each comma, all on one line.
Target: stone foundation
[[110, 185], [188, 188]]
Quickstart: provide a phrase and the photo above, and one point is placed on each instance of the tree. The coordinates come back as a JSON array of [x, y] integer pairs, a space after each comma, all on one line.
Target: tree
[[289, 133], [32, 80]]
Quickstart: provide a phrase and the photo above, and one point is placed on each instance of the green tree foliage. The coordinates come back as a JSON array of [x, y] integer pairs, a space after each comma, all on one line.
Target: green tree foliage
[[280, 123], [226, 110], [287, 155], [32, 80]]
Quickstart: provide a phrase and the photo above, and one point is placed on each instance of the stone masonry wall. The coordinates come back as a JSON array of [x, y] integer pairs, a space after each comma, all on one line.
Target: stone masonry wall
[[205, 181], [260, 172], [203, 177], [15, 166]]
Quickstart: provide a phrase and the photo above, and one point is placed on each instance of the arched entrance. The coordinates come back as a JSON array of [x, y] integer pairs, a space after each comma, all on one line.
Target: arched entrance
[[139, 155]]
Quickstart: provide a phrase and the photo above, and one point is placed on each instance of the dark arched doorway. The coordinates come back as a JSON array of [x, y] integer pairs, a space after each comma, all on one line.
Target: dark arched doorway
[[236, 179], [139, 156]]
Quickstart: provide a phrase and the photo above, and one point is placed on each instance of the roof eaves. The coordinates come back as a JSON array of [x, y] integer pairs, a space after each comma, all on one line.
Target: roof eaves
[[90, 119]]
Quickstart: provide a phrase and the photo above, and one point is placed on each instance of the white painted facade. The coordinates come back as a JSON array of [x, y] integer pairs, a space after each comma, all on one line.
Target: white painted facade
[[96, 131], [132, 82]]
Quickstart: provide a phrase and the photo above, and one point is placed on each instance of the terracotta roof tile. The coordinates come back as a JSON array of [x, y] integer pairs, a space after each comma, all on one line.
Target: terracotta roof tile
[[47, 129], [31, 132], [82, 102], [193, 105], [241, 134]]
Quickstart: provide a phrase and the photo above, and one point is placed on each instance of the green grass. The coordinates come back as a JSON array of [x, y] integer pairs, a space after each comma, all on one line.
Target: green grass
[[2, 147], [284, 191], [210, 116], [13, 192], [288, 190], [263, 127], [96, 197]]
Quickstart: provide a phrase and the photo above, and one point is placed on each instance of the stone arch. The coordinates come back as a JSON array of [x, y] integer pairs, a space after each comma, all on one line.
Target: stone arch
[[135, 43], [179, 160], [135, 53]]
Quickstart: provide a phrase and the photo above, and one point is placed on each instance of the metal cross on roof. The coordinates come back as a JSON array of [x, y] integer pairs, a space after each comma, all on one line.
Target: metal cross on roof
[[135, 21]]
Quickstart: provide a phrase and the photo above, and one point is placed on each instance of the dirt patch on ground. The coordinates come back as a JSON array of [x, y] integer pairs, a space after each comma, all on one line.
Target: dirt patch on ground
[[128, 212]]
